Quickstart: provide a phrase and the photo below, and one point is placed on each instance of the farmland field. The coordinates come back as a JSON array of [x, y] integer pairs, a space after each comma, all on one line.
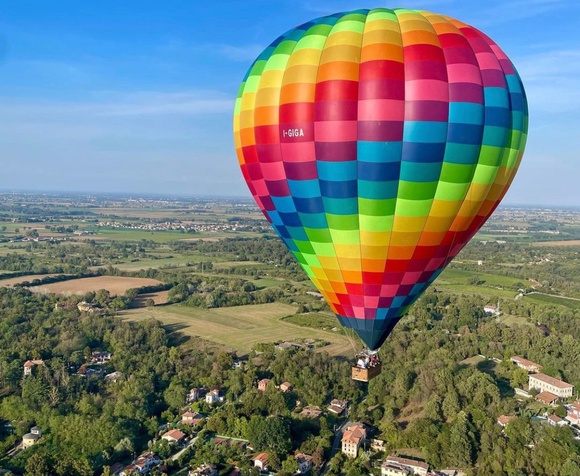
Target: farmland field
[[21, 279], [538, 298], [159, 297], [240, 328], [557, 243], [113, 284], [129, 234]]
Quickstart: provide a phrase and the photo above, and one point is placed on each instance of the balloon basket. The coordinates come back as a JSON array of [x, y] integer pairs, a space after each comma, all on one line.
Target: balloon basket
[[365, 374]]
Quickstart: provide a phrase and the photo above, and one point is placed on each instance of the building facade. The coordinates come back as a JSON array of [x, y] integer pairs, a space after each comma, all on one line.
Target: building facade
[[352, 439], [414, 467], [545, 383], [526, 364]]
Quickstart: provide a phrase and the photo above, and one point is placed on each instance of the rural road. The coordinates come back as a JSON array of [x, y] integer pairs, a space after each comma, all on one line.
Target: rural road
[[335, 446], [176, 456]]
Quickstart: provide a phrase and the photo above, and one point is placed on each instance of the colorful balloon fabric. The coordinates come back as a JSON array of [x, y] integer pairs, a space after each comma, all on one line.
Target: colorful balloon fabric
[[377, 142]]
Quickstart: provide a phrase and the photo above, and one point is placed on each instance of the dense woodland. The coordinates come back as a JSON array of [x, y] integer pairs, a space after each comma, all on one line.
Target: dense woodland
[[424, 399], [427, 399]]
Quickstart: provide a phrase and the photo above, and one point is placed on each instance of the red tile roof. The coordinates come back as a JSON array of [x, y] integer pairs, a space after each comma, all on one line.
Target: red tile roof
[[505, 419], [263, 457], [525, 362], [174, 434], [546, 397], [354, 434], [551, 381]]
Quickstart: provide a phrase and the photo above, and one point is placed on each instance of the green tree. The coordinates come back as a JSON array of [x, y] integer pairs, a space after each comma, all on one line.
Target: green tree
[[451, 405], [174, 396], [162, 448], [461, 447], [39, 464], [571, 466], [519, 378], [433, 408], [290, 465], [269, 434]]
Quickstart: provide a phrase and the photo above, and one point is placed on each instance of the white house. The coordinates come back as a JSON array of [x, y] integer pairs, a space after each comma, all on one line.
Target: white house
[[491, 310], [304, 463], [30, 364], [204, 470], [545, 383], [174, 436], [213, 397], [100, 357], [142, 465], [195, 394], [504, 420], [573, 413], [261, 460], [392, 469], [526, 364], [337, 406], [555, 420], [415, 467]]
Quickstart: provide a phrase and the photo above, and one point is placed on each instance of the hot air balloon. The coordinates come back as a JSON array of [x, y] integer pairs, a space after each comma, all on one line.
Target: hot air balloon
[[377, 143]]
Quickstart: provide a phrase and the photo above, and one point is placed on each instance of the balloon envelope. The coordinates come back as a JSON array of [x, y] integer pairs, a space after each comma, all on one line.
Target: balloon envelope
[[377, 142]]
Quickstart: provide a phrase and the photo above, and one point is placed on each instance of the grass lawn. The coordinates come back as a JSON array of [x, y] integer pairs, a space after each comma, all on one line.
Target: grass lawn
[[316, 320], [471, 361], [239, 328], [511, 321], [268, 283]]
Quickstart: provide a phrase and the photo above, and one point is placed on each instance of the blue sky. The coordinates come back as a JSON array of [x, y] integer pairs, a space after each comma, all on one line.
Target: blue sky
[[137, 95]]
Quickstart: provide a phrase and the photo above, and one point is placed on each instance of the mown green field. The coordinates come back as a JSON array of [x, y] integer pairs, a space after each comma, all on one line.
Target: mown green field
[[453, 280], [268, 283], [240, 328], [460, 276], [316, 320], [553, 300], [150, 263], [511, 321], [127, 234]]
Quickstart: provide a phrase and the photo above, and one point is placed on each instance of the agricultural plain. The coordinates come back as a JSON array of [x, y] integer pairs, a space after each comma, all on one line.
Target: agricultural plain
[[240, 328], [114, 284], [211, 245]]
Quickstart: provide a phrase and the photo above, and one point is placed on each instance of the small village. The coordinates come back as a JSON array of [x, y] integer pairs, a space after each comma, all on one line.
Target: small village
[[354, 439]]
